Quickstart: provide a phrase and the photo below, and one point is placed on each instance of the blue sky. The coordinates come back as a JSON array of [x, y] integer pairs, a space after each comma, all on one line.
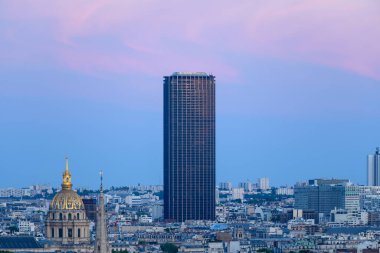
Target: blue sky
[[85, 81]]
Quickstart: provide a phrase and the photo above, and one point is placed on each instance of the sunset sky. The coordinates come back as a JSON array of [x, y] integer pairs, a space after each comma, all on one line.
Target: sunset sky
[[298, 87]]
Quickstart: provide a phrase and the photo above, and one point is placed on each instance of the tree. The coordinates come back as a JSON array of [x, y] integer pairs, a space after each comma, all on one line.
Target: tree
[[119, 251], [169, 248], [265, 250], [13, 229]]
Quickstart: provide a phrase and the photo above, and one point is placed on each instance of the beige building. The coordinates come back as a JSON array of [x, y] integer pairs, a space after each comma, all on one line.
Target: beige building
[[67, 226]]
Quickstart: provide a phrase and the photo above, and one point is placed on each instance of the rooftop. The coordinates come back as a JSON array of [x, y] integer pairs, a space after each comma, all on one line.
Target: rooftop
[[190, 74], [18, 242]]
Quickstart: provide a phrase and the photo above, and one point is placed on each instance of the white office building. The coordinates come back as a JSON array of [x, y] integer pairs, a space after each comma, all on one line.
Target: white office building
[[285, 191], [25, 227], [237, 193], [133, 200]]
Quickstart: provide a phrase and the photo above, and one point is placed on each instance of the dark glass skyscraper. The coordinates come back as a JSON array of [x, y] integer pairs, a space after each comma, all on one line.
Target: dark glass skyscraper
[[189, 146]]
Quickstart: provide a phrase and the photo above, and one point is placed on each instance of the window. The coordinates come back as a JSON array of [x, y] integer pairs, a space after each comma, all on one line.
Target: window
[[70, 232], [78, 232], [69, 216], [60, 216], [77, 216], [52, 232], [60, 233]]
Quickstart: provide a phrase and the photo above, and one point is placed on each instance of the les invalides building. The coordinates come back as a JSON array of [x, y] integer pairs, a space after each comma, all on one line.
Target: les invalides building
[[67, 225]]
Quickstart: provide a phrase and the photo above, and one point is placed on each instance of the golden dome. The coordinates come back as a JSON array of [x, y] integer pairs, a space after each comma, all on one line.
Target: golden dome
[[67, 199]]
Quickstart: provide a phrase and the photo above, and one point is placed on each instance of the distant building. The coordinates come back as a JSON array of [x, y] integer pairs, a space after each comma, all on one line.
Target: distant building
[[14, 192], [332, 181], [90, 207], [323, 196], [373, 168], [227, 246], [263, 183], [225, 186], [145, 219], [237, 193], [370, 202], [284, 191], [189, 146], [344, 217], [374, 219], [133, 200], [320, 195], [157, 212], [247, 186], [26, 227]]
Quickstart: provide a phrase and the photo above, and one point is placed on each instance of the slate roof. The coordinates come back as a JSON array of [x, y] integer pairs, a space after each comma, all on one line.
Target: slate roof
[[18, 242]]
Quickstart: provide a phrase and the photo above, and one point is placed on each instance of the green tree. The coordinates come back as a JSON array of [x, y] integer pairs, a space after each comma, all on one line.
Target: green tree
[[13, 229], [169, 248], [265, 250], [119, 251]]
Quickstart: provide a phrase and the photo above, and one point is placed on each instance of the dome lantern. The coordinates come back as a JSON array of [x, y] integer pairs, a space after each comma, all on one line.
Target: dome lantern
[[67, 198], [66, 183]]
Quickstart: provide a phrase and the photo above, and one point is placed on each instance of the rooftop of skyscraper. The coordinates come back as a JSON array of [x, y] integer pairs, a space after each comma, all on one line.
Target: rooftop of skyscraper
[[190, 74]]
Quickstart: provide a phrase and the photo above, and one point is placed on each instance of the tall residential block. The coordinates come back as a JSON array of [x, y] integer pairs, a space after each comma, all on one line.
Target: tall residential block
[[189, 146], [373, 168], [263, 183], [247, 186], [225, 186]]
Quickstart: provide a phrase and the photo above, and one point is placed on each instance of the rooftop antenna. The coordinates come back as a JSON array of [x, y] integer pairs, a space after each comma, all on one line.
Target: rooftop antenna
[[101, 180], [67, 163]]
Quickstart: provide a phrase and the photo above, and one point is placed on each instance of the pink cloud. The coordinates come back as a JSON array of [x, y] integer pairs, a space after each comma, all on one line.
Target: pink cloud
[[340, 34], [159, 37]]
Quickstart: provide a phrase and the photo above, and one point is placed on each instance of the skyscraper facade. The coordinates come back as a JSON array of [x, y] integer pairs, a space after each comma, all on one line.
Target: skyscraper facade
[[373, 168], [320, 195], [189, 146]]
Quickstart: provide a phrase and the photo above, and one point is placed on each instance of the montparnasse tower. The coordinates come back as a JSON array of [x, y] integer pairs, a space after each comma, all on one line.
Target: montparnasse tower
[[101, 245]]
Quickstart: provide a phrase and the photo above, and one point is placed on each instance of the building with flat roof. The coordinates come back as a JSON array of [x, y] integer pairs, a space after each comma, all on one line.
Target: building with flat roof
[[189, 146], [373, 168]]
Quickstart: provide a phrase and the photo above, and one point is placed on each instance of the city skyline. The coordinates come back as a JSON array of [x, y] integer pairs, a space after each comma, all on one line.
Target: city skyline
[[86, 81]]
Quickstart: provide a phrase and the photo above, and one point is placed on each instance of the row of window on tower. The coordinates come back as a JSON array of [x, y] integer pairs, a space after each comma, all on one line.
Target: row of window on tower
[[70, 216], [69, 233]]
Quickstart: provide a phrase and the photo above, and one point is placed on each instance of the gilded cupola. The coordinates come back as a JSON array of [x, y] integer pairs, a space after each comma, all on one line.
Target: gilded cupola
[[67, 199]]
